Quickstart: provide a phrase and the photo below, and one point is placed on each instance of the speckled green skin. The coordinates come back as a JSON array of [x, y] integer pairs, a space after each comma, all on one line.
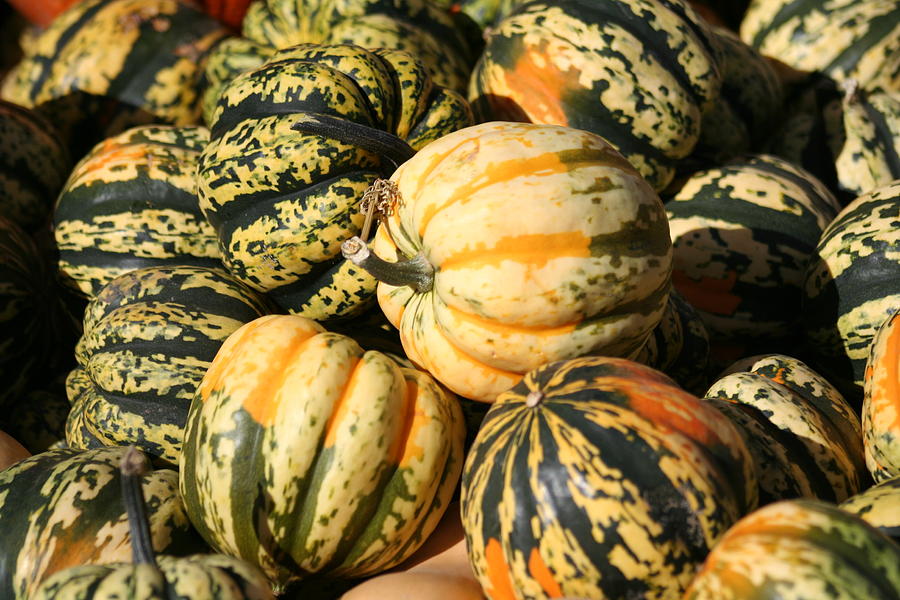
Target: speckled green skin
[[148, 339], [281, 197], [878, 505]]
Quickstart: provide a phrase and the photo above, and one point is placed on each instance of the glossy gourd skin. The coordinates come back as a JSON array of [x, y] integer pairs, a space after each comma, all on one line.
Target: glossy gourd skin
[[282, 191], [877, 505], [805, 438], [132, 203], [545, 245], [798, 550], [881, 401], [852, 284], [61, 508], [845, 39], [638, 73], [308, 456], [600, 478], [149, 337]]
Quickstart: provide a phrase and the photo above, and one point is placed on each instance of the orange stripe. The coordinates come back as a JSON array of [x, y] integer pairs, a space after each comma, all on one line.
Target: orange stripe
[[534, 250], [497, 327], [339, 410], [417, 419], [115, 155], [886, 386], [708, 294], [498, 572], [542, 574], [408, 410], [538, 83]]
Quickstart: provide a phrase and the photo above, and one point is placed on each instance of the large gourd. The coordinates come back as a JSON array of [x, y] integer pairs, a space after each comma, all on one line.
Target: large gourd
[[881, 401]]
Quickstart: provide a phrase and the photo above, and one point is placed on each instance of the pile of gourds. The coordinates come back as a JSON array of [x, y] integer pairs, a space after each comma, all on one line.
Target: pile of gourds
[[491, 299]]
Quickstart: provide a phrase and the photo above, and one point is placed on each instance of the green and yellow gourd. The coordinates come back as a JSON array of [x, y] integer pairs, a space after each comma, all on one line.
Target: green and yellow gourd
[[805, 439], [845, 39], [742, 236], [600, 478], [870, 156], [225, 62], [310, 457], [881, 401], [34, 165], [418, 27], [639, 73], [149, 337], [799, 550], [132, 203], [512, 244], [151, 577], [295, 144], [852, 285], [62, 508], [878, 506], [106, 65]]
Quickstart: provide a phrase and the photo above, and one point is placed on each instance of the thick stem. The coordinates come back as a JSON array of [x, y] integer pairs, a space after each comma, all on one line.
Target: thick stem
[[133, 466], [534, 398], [415, 272]]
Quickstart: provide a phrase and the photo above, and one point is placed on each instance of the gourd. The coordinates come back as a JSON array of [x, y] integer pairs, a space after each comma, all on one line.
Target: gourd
[[599, 477], [881, 401], [508, 245], [310, 457], [877, 505]]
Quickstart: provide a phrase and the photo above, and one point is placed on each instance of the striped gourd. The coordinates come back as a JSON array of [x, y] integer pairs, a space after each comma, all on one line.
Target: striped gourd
[[599, 478], [132, 203], [149, 337], [879, 505], [145, 54], [742, 236], [295, 143], [225, 62], [881, 401], [805, 439], [34, 165], [518, 244], [679, 345], [852, 285], [36, 334], [845, 39], [151, 577], [308, 456], [638, 72], [870, 156], [748, 105], [418, 27], [62, 508], [800, 550]]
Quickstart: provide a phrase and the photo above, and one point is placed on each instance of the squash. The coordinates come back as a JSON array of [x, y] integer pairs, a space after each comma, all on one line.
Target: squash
[[800, 549], [637, 72], [845, 39], [881, 401], [805, 438], [132, 202], [742, 236], [870, 157], [878, 506], [34, 165], [851, 285], [514, 244], [61, 508], [113, 64], [151, 577], [11, 451], [599, 477], [310, 457], [149, 337], [294, 145]]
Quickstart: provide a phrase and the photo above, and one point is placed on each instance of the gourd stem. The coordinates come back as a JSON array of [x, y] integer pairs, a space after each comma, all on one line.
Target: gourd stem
[[386, 145], [132, 467], [534, 398], [415, 272]]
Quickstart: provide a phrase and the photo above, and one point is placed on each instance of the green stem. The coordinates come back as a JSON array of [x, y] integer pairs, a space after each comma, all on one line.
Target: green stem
[[415, 272], [132, 467]]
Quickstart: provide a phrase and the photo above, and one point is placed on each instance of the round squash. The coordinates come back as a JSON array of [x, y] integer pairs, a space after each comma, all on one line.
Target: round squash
[[878, 505], [881, 401], [870, 156], [308, 456], [600, 478], [62, 508], [523, 244], [637, 72], [800, 549]]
